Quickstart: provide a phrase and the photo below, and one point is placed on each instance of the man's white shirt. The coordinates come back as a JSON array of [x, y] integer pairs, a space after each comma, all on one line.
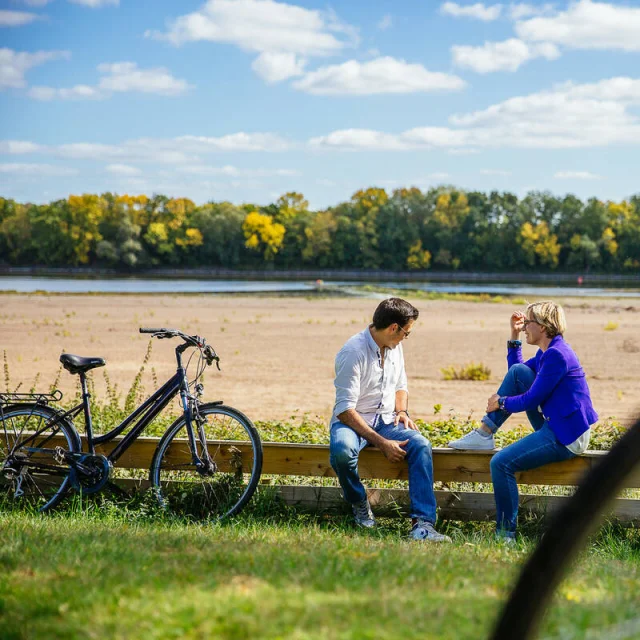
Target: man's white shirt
[[363, 384]]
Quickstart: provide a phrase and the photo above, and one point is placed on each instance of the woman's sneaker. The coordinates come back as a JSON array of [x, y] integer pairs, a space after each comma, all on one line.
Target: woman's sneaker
[[363, 515], [424, 530], [475, 440]]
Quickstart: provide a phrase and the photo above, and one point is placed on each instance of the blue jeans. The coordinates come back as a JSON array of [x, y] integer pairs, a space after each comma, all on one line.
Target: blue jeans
[[533, 451], [345, 446]]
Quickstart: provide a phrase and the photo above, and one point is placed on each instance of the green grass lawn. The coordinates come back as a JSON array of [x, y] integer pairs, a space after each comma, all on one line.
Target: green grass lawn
[[114, 571]]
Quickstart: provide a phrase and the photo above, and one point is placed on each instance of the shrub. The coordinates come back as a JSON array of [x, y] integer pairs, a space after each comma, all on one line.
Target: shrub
[[471, 371]]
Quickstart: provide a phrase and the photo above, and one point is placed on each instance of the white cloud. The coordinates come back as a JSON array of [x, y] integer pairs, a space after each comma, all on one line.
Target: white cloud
[[123, 170], [36, 3], [520, 11], [274, 67], [479, 11], [567, 117], [118, 78], [234, 142], [96, 4], [16, 18], [501, 56], [79, 92], [382, 75], [179, 151], [495, 172], [261, 25], [385, 23], [235, 172], [576, 175], [14, 64], [125, 76], [587, 25], [439, 175], [23, 169], [358, 139], [19, 147]]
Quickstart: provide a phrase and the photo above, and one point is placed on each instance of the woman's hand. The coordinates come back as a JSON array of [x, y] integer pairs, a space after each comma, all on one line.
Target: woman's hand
[[492, 403], [517, 324]]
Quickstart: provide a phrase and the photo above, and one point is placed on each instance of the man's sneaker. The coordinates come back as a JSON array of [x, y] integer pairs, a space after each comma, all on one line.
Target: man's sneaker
[[505, 539], [363, 514], [475, 440], [424, 530]]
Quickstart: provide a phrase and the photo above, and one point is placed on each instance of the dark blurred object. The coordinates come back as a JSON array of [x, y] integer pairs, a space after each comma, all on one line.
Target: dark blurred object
[[570, 527]]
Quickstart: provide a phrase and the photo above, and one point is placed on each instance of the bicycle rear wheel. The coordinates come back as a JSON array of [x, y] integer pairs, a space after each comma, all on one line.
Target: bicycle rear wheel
[[29, 468], [234, 448]]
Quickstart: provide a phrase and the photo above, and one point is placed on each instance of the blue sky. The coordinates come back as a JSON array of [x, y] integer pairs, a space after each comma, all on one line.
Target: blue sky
[[244, 100]]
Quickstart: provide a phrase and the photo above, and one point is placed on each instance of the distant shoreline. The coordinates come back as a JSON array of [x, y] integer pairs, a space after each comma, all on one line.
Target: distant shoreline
[[323, 274]]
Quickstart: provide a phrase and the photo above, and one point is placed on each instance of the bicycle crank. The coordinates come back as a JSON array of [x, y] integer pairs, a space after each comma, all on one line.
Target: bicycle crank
[[90, 473]]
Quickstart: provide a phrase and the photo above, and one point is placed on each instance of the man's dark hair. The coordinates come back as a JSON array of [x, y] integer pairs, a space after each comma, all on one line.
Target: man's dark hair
[[394, 310]]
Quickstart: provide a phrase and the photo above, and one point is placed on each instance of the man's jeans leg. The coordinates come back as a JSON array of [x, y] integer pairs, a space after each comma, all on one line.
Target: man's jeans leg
[[517, 380], [420, 462], [344, 448], [531, 452]]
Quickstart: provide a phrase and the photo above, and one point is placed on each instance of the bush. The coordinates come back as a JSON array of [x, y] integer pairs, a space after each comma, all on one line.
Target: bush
[[471, 371]]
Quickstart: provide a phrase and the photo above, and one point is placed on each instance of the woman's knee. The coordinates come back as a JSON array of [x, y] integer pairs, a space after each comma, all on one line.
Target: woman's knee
[[521, 372], [499, 464]]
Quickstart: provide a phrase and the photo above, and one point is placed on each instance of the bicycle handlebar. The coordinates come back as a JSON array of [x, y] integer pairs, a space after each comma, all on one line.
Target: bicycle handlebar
[[193, 341]]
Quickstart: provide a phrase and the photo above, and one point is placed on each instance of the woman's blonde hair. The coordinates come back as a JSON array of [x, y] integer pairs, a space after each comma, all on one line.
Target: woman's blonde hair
[[549, 315]]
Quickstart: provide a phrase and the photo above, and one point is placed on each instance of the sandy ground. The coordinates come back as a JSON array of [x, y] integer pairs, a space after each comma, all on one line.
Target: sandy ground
[[277, 353]]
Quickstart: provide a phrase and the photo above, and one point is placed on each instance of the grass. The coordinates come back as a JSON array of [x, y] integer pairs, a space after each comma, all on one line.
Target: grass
[[132, 572], [119, 567], [471, 371]]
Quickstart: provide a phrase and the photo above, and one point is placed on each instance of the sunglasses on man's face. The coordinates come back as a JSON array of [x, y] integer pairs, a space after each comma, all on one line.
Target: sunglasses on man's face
[[528, 322], [406, 333]]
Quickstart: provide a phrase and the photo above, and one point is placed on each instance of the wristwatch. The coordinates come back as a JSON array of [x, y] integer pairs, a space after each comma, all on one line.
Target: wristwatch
[[514, 344], [501, 401]]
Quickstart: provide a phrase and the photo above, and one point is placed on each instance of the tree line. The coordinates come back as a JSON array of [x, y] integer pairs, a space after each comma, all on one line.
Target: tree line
[[443, 228]]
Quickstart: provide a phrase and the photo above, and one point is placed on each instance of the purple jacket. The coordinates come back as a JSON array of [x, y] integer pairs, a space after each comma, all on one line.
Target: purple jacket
[[560, 388]]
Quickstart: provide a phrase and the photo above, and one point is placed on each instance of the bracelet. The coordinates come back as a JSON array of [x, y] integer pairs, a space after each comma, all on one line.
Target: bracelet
[[404, 411], [514, 344]]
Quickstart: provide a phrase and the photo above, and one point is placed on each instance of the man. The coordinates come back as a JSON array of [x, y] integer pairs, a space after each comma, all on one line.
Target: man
[[372, 409]]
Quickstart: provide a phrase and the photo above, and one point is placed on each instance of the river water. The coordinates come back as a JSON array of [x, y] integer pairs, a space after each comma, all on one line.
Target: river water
[[31, 284]]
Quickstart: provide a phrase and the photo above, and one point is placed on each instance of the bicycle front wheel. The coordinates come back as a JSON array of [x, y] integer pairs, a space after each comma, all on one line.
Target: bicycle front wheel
[[33, 441], [227, 484]]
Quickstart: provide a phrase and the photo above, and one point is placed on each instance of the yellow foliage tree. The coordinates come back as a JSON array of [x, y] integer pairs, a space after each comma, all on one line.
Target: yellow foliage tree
[[81, 224], [192, 238], [418, 257], [539, 242], [263, 234], [451, 209]]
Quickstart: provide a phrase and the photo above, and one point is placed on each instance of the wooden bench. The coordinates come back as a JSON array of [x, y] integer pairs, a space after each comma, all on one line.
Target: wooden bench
[[450, 466]]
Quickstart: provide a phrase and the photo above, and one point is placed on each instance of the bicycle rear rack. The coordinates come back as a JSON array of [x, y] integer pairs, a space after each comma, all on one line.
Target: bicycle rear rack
[[30, 398]]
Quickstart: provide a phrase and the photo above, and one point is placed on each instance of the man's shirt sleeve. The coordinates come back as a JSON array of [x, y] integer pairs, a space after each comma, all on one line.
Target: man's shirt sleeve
[[347, 382], [402, 385]]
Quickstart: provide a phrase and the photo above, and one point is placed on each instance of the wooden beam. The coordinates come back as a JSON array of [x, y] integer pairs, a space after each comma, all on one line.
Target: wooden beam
[[452, 505], [313, 460]]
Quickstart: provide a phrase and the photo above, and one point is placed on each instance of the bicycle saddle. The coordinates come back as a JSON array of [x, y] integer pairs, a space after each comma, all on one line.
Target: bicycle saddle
[[80, 364]]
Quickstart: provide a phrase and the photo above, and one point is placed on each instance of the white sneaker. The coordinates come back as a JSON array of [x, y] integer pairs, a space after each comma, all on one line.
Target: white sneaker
[[363, 515], [424, 530], [475, 440]]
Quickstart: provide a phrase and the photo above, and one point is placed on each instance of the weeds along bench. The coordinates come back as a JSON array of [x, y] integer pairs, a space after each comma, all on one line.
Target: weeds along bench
[[450, 466]]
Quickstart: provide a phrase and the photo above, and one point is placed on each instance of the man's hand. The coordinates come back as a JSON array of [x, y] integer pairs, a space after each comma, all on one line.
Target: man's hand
[[392, 450], [492, 403], [406, 420]]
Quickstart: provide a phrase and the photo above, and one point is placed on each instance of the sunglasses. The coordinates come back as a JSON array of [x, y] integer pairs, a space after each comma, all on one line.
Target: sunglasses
[[406, 333]]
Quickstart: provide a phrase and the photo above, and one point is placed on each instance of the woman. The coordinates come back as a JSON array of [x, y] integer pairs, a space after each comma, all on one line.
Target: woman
[[552, 388]]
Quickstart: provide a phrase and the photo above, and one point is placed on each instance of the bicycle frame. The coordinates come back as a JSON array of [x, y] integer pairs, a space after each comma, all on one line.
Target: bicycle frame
[[143, 415]]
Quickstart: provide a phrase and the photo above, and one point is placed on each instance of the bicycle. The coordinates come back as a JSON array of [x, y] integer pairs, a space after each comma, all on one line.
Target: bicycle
[[212, 472]]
